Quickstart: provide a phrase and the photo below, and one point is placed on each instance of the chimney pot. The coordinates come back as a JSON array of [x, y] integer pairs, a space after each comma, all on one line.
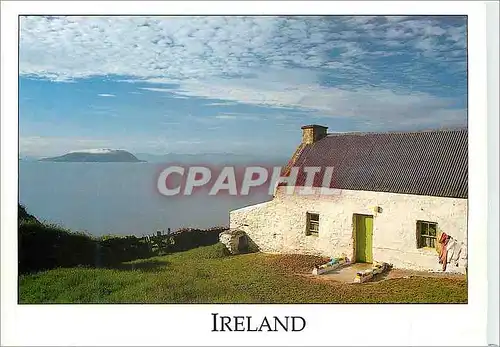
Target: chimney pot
[[313, 133]]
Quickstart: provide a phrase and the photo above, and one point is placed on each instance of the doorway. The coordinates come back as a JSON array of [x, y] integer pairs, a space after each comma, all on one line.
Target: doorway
[[242, 244], [363, 226]]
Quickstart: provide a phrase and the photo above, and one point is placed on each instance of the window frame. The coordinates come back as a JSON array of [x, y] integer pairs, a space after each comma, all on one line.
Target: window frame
[[312, 222], [423, 235]]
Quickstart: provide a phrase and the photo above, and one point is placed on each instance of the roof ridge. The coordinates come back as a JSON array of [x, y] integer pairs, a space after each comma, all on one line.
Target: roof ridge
[[397, 132]]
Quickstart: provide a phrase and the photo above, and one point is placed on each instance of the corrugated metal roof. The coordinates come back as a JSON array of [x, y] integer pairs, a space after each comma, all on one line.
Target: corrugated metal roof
[[433, 163]]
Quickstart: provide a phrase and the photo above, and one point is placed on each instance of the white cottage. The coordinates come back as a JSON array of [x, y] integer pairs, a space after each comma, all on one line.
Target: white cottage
[[389, 195]]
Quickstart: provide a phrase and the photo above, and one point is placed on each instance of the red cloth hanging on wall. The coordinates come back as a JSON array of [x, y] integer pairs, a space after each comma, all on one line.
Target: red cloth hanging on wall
[[443, 256]]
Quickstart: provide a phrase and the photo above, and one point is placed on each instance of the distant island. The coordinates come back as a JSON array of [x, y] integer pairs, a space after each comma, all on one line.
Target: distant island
[[104, 155]]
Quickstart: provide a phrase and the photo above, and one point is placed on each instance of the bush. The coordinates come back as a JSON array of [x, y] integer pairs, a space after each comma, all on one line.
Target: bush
[[119, 249], [46, 246], [43, 246], [24, 216], [186, 239]]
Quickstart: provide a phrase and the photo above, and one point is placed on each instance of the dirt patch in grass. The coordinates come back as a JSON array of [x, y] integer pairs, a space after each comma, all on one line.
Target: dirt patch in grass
[[295, 263], [402, 273]]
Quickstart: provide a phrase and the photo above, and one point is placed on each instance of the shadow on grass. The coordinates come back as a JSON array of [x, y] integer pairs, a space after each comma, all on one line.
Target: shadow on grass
[[380, 277], [146, 266]]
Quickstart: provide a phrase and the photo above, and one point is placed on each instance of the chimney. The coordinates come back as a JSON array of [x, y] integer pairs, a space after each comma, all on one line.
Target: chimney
[[313, 133]]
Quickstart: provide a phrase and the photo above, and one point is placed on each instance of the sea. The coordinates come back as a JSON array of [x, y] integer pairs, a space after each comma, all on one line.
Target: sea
[[118, 199]]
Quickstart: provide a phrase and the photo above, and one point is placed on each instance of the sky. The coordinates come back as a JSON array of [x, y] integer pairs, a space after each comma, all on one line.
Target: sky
[[233, 84]]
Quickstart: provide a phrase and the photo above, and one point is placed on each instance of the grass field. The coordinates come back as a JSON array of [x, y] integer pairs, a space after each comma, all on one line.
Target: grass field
[[209, 275]]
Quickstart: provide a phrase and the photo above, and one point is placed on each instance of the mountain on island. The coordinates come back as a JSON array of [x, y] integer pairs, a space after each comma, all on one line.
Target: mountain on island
[[104, 155]]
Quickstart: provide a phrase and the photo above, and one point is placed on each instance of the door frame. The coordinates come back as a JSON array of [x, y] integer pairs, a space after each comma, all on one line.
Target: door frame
[[355, 233]]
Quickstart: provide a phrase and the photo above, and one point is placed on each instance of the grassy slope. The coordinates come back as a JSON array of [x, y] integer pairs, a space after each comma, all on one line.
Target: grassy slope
[[206, 275]]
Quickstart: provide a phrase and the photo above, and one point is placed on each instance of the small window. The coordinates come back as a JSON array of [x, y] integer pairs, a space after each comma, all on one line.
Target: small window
[[426, 234], [312, 224]]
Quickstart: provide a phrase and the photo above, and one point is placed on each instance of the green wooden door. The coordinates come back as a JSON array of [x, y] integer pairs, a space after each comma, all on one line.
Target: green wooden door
[[364, 236]]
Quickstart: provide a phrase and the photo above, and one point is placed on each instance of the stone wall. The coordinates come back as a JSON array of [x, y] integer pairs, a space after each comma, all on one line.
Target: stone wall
[[279, 226], [231, 239]]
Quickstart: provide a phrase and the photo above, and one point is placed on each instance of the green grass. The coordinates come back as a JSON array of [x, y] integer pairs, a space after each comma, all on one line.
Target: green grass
[[209, 275]]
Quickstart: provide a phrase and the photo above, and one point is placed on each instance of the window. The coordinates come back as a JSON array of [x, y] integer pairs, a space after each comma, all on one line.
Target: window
[[312, 224], [426, 234]]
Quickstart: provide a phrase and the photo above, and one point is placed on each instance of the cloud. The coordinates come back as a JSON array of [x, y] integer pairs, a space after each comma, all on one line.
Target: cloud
[[165, 90], [364, 103], [188, 142], [107, 95], [200, 47], [225, 116], [241, 116], [162, 90], [383, 68], [227, 103], [47, 146], [54, 145]]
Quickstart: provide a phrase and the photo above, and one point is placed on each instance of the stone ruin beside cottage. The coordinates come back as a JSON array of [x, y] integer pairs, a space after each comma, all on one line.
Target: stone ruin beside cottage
[[235, 240]]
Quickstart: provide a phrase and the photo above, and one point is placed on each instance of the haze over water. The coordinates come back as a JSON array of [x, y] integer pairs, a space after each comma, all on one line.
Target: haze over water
[[117, 198]]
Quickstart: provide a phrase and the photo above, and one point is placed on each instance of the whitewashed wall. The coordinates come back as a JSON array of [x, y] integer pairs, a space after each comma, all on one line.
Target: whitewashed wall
[[279, 226]]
